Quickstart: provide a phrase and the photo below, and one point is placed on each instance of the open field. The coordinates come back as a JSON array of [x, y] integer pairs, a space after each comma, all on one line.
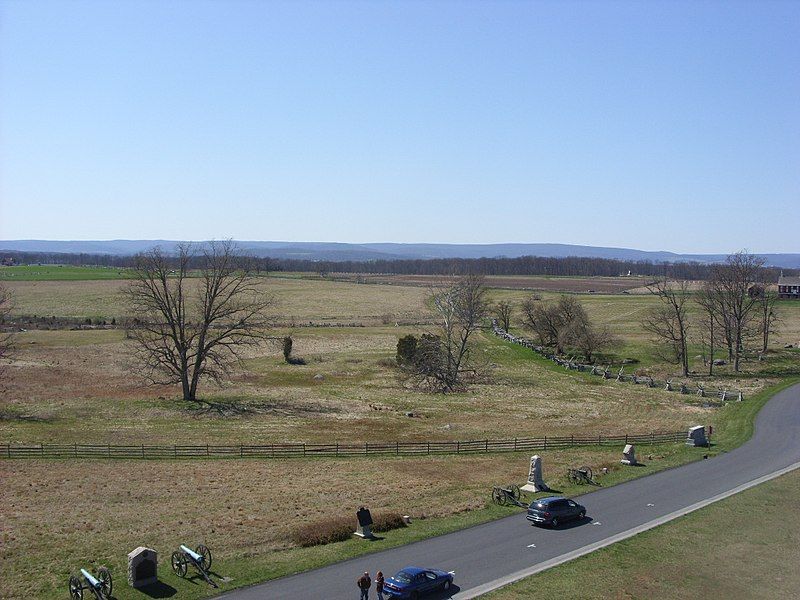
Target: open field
[[63, 514], [81, 386], [601, 285], [297, 300], [60, 273], [78, 386], [741, 547]]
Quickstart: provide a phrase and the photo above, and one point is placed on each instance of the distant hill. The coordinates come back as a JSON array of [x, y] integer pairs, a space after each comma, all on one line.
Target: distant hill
[[334, 251]]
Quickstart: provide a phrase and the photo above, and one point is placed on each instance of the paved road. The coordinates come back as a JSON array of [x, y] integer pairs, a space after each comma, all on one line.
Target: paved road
[[487, 556]]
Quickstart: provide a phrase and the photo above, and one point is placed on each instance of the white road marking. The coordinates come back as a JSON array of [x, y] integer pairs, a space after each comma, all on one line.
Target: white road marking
[[650, 504], [596, 523], [531, 545]]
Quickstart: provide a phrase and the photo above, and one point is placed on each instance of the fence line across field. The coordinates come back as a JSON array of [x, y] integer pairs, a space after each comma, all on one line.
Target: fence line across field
[[295, 450]]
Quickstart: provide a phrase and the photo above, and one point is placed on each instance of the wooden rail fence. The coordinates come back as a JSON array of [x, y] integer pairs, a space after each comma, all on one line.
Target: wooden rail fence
[[486, 446]]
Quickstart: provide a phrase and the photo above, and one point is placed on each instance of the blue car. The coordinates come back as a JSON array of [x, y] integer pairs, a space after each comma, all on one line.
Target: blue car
[[414, 582]]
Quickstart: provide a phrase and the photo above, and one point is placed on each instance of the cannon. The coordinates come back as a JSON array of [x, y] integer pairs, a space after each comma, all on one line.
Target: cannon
[[100, 586], [200, 559], [504, 496], [581, 476]]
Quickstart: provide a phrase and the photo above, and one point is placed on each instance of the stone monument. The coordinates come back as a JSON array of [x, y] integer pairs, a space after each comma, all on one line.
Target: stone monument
[[364, 522], [629, 455], [697, 436], [535, 481], [142, 567]]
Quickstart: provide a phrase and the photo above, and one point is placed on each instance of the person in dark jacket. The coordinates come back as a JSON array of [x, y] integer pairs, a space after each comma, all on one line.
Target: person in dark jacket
[[364, 583], [379, 584]]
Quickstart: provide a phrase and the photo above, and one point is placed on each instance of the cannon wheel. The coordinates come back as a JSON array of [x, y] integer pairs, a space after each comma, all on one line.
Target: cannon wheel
[[104, 576], [498, 497], [206, 554], [587, 472], [75, 588], [515, 493], [179, 564], [572, 475]]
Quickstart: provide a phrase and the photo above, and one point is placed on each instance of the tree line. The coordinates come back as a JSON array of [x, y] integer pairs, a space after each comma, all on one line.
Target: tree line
[[574, 266]]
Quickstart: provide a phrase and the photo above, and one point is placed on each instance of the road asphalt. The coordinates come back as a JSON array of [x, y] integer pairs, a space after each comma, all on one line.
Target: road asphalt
[[488, 556]]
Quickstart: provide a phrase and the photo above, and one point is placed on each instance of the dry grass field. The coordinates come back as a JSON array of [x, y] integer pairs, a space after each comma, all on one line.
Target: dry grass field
[[81, 386], [57, 515], [601, 285]]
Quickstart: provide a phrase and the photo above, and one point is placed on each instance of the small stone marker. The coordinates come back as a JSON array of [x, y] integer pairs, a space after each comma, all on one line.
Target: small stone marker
[[142, 567], [535, 481], [697, 436], [629, 455], [364, 522]]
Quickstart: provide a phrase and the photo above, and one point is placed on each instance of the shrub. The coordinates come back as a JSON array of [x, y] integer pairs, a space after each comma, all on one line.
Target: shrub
[[340, 529], [406, 349]]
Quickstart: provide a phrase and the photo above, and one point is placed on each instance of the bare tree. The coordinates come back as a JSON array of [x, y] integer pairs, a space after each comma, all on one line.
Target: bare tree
[[709, 303], [669, 322], [443, 359], [586, 337], [734, 281], [195, 313], [543, 320], [503, 311], [768, 315]]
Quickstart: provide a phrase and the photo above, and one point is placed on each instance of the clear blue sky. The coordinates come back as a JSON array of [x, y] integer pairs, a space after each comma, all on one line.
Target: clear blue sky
[[653, 125]]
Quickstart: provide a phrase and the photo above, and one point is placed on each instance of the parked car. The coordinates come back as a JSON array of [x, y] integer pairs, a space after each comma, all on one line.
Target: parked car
[[554, 510], [415, 582]]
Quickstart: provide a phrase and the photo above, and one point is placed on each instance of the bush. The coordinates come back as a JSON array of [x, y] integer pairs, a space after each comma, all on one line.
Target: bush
[[340, 529], [406, 349]]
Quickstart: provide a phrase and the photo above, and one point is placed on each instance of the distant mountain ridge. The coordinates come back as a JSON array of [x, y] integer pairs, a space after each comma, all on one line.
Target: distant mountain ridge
[[339, 251]]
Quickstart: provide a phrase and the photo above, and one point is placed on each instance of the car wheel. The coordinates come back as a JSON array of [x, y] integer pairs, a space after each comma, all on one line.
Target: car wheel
[[581, 515], [446, 585], [554, 522], [414, 595]]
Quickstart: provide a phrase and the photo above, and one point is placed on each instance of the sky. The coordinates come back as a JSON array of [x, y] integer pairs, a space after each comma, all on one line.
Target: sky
[[651, 125]]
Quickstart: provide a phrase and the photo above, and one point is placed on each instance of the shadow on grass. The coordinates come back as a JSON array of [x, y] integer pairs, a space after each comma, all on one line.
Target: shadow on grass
[[159, 589]]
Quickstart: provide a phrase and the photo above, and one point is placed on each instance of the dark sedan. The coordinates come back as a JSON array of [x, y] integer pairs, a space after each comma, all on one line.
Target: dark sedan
[[554, 510], [414, 582]]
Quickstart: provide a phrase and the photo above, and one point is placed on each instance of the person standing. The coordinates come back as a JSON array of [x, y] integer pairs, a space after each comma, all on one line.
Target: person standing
[[364, 583], [379, 584]]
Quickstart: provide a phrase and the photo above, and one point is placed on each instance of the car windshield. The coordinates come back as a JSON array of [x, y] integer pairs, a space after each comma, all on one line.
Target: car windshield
[[403, 577]]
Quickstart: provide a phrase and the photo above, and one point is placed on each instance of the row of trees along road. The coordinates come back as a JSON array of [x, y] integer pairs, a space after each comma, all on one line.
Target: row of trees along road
[[736, 304]]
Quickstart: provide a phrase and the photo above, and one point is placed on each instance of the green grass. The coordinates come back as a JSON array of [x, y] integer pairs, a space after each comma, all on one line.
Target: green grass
[[742, 547], [61, 273]]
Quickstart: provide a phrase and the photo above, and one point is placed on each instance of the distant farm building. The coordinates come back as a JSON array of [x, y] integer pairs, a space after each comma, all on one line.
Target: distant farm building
[[789, 287]]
